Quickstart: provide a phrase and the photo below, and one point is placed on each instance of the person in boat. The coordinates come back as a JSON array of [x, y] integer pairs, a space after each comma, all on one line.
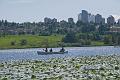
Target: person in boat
[[62, 50], [51, 50], [46, 49]]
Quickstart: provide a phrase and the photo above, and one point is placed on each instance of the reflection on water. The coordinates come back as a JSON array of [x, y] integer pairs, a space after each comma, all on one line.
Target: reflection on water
[[18, 54]]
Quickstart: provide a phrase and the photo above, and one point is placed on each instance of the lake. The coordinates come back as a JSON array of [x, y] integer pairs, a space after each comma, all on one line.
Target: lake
[[31, 54]]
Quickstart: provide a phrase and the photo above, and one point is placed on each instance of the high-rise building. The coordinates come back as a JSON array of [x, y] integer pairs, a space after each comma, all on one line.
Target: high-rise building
[[83, 16], [91, 18], [79, 17], [103, 20], [111, 20], [49, 20], [54, 20], [98, 19], [118, 21]]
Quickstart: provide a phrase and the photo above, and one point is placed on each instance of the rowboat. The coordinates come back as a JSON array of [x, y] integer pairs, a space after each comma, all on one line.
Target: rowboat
[[46, 53]]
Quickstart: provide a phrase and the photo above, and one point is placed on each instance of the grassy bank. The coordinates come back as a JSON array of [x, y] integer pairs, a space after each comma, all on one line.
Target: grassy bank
[[32, 41], [35, 41]]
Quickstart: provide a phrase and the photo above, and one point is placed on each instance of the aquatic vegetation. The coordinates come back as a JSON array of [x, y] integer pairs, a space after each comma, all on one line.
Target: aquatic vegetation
[[69, 68], [33, 77]]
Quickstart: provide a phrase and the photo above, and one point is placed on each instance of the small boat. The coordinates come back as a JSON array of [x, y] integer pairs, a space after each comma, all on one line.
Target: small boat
[[46, 53]]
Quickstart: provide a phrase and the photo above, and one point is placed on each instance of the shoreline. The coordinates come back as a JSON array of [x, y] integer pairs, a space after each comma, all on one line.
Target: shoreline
[[54, 47]]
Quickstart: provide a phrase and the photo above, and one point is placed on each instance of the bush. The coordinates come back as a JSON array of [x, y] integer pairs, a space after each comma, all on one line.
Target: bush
[[85, 42], [70, 38], [23, 42], [13, 43]]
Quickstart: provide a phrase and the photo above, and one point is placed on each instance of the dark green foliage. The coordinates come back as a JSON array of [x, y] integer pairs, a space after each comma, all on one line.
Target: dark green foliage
[[88, 28], [13, 43], [118, 40], [116, 68], [33, 77], [70, 38], [108, 39], [102, 29], [51, 27]]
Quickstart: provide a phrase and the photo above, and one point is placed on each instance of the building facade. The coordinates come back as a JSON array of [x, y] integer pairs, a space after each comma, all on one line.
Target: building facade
[[111, 20], [103, 20], [47, 20], [79, 17], [98, 19], [91, 18], [118, 21], [83, 16]]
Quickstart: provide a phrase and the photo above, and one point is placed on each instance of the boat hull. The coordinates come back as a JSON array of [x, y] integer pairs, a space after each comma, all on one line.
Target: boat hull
[[46, 53]]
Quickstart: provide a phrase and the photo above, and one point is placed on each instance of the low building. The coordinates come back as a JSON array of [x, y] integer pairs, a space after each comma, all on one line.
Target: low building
[[115, 29]]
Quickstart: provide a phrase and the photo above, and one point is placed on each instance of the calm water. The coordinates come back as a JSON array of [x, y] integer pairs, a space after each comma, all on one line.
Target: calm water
[[20, 54]]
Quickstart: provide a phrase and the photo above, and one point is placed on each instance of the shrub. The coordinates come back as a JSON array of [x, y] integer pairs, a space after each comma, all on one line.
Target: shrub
[[13, 43], [23, 42]]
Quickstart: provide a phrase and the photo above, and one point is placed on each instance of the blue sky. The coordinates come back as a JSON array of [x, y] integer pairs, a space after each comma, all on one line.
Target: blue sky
[[36, 10]]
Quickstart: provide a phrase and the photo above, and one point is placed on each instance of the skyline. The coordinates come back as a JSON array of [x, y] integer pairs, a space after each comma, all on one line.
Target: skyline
[[37, 10]]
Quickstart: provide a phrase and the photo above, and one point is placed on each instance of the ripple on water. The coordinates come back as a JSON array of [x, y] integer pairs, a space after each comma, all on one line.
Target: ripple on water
[[23, 54]]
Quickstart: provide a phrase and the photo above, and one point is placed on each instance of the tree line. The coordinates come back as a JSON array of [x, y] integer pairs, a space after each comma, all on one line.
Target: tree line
[[79, 32], [42, 28]]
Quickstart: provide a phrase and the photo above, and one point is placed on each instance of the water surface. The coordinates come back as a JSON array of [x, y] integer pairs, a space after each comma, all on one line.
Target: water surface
[[31, 54]]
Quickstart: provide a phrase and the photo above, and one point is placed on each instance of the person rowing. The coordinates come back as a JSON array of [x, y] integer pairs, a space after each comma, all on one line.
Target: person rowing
[[51, 50], [62, 50], [46, 49]]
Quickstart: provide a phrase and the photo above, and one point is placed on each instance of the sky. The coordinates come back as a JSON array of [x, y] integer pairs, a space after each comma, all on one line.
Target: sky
[[37, 10]]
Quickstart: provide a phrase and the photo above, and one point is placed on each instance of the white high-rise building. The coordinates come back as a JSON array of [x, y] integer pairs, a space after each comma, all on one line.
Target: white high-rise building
[[111, 20], [98, 19], [103, 20], [79, 17], [83, 16], [91, 18], [119, 21]]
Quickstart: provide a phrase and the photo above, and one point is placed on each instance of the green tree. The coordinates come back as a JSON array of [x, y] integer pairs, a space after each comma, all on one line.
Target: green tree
[[13, 43], [108, 39], [70, 38]]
